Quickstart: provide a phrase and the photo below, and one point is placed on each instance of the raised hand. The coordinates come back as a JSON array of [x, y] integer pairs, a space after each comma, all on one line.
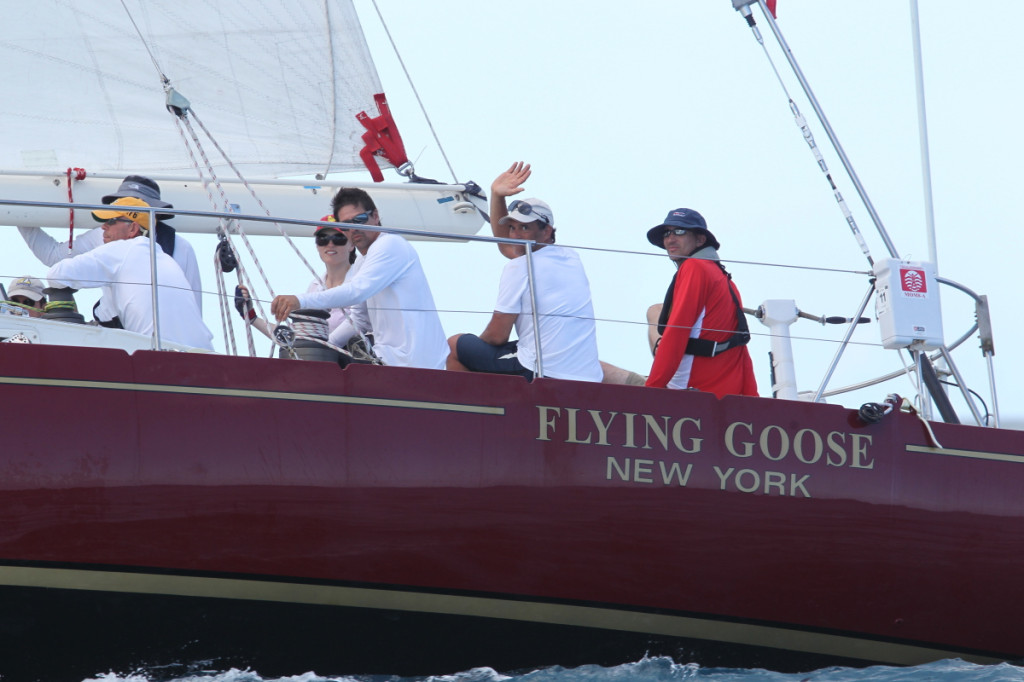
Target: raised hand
[[510, 182]]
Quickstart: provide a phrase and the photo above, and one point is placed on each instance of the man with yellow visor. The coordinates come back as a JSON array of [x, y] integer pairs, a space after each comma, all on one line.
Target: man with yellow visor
[[122, 268]]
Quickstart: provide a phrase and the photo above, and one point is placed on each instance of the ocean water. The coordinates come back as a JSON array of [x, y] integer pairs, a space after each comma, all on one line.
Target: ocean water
[[646, 670]]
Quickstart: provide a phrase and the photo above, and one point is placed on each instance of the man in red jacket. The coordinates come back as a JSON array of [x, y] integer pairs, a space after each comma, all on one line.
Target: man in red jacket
[[703, 329]]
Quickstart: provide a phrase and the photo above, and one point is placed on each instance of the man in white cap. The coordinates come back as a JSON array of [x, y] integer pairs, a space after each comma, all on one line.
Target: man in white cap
[[28, 293], [122, 266], [49, 251], [565, 312]]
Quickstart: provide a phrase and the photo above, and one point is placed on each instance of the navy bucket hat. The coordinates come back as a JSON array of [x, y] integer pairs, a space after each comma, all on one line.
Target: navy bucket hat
[[140, 187], [685, 218]]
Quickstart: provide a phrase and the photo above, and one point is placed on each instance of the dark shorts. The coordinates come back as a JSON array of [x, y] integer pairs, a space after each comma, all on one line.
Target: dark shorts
[[480, 356]]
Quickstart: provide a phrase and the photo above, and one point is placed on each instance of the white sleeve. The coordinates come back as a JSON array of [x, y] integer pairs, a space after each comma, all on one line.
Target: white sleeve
[[359, 316], [49, 251], [385, 262], [185, 257], [96, 268], [512, 287], [342, 333]]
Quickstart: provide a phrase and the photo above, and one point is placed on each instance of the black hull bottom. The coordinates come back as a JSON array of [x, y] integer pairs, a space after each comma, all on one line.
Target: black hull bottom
[[52, 635]]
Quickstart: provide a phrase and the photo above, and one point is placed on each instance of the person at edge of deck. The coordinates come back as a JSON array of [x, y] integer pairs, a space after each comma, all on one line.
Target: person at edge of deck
[[386, 290], [338, 254], [568, 333], [702, 324], [49, 251], [122, 266], [27, 293]]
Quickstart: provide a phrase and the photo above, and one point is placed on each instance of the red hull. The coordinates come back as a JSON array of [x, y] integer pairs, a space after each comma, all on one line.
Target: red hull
[[741, 523]]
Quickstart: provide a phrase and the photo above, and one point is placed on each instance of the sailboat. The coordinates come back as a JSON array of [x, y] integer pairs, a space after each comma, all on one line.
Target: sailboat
[[163, 510]]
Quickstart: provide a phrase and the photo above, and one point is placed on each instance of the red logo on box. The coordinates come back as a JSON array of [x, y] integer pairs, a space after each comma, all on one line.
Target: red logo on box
[[912, 280]]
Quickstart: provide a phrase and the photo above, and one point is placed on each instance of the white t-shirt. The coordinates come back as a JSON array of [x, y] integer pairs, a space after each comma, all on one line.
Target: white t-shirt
[[568, 333], [389, 287], [49, 251], [122, 268]]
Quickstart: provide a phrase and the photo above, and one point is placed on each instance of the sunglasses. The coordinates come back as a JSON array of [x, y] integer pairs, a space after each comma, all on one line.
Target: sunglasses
[[361, 219], [338, 239], [679, 232], [526, 209], [23, 301], [114, 221]]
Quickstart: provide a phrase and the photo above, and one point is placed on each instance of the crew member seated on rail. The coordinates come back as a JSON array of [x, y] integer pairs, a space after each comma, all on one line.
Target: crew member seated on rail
[[565, 312], [703, 331]]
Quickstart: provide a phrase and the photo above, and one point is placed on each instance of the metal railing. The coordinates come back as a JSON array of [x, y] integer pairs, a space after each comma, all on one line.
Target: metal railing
[[228, 218]]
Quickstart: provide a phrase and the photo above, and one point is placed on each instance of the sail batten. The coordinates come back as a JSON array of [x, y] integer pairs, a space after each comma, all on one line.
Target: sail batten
[[278, 84]]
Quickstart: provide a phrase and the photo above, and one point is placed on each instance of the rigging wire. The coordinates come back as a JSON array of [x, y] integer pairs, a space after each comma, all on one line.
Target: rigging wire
[[145, 44], [808, 136], [799, 119], [222, 227], [430, 124], [334, 98]]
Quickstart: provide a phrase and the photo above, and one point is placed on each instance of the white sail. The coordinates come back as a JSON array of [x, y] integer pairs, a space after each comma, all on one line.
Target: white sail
[[278, 84]]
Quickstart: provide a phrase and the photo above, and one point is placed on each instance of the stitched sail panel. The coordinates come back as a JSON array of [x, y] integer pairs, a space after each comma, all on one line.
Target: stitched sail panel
[[278, 84]]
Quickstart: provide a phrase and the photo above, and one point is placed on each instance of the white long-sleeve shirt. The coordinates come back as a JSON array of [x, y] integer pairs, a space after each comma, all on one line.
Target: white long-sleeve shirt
[[388, 285], [49, 251], [122, 268]]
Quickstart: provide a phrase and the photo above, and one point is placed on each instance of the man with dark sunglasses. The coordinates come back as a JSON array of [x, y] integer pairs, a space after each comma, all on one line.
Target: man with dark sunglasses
[[49, 251], [702, 325], [122, 267], [386, 290], [565, 312]]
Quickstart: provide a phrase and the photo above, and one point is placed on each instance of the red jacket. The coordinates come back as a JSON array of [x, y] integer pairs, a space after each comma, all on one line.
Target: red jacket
[[702, 307]]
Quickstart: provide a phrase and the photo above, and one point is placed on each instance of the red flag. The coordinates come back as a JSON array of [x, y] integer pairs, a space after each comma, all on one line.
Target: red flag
[[771, 8]]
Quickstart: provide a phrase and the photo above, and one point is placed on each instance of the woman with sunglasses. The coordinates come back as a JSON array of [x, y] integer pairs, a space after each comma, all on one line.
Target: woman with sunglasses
[[338, 254]]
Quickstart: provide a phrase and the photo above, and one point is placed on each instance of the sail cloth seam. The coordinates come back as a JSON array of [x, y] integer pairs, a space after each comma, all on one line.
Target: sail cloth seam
[[334, 86]]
